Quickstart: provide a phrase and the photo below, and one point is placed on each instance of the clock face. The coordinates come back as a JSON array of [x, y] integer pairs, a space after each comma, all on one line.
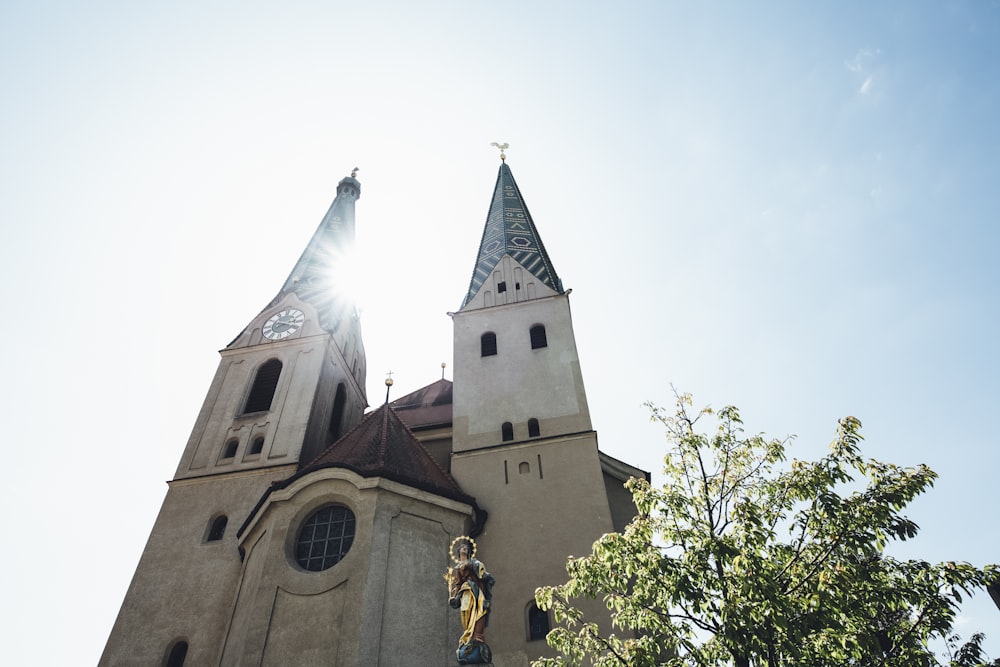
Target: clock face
[[284, 324]]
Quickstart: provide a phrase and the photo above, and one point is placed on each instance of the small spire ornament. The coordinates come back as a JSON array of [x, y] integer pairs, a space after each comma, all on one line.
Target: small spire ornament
[[502, 147]]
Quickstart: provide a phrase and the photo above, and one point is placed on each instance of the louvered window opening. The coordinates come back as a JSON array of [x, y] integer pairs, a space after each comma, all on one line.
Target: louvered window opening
[[538, 338], [325, 538], [264, 385], [488, 344]]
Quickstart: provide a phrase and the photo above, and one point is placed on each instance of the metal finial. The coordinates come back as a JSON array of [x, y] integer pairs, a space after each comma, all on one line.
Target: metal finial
[[442, 369], [354, 172], [388, 385], [502, 147]]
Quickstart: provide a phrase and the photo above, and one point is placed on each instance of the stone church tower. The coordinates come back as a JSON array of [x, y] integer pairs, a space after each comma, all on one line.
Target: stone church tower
[[299, 531]]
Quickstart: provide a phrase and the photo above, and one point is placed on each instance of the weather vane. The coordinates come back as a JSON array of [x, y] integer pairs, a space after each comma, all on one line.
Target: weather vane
[[502, 147], [354, 172]]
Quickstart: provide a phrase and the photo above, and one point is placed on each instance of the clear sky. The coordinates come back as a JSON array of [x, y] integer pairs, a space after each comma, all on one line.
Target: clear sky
[[789, 207]]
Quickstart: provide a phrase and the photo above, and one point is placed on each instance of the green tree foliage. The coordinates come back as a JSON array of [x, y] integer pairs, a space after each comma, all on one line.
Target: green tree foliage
[[740, 559]]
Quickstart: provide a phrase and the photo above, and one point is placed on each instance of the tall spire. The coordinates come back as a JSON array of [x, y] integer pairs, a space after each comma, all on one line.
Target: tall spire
[[510, 231], [323, 274]]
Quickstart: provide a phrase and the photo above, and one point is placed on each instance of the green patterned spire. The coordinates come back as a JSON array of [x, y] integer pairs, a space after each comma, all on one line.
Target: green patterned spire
[[510, 231]]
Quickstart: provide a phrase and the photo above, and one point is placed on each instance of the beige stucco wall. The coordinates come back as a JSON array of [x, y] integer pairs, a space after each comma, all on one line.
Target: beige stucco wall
[[518, 382], [184, 586]]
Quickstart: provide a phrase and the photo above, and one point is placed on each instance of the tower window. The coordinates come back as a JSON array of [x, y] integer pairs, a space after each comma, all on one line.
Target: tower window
[[178, 652], [507, 431], [257, 445], [264, 383], [230, 450], [325, 538], [488, 344], [538, 338], [217, 529], [533, 431], [501, 287], [337, 414], [523, 468], [538, 622]]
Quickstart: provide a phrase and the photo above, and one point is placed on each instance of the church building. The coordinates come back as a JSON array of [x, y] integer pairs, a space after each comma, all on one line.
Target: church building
[[299, 530]]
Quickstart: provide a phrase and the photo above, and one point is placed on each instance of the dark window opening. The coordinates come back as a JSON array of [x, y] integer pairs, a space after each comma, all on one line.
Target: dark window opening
[[538, 623], [230, 450], [264, 383], [538, 338], [488, 344], [325, 538], [218, 529], [533, 428], [507, 431], [334, 431], [257, 446], [501, 286], [517, 286], [177, 655]]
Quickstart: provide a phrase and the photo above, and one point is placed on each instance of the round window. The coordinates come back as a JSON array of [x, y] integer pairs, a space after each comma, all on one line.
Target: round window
[[325, 538]]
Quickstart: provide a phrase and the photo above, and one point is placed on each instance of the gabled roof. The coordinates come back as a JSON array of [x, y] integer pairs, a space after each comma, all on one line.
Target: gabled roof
[[382, 446], [427, 407], [510, 231]]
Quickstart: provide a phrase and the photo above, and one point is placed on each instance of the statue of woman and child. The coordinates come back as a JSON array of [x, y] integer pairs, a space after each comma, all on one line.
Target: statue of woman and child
[[470, 590]]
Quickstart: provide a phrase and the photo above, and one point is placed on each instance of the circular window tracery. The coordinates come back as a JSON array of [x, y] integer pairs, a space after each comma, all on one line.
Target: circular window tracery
[[325, 538]]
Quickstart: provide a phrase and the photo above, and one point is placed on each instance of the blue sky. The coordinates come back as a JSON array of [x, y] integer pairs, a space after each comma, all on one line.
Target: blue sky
[[788, 207]]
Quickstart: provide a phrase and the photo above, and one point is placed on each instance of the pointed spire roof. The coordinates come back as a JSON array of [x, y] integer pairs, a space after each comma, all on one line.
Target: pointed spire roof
[[322, 272], [382, 446], [510, 231]]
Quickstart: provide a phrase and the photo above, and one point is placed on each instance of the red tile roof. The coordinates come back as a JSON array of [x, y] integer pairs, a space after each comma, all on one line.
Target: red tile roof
[[427, 407]]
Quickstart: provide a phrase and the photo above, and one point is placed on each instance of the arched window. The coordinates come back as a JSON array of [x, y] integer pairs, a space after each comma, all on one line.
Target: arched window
[[325, 538], [230, 449], [337, 415], [523, 468], [507, 431], [488, 344], [533, 431], [538, 622], [538, 338], [257, 446], [217, 529], [264, 384], [178, 652]]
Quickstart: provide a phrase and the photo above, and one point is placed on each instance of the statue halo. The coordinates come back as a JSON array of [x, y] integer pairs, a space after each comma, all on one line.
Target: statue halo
[[461, 538]]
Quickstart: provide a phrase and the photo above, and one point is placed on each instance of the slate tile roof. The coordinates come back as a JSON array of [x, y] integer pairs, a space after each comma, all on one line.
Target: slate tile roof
[[510, 231]]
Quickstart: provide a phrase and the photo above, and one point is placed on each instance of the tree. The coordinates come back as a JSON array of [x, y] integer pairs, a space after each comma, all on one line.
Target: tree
[[741, 559]]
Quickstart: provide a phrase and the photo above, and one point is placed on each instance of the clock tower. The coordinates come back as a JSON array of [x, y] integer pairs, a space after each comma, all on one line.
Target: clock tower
[[288, 385]]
